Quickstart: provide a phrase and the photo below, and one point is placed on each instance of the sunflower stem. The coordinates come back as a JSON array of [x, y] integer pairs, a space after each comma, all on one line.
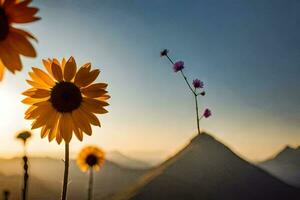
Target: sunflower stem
[[91, 182], [66, 173]]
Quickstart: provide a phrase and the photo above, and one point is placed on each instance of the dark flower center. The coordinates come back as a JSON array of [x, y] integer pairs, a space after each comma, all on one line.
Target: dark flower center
[[91, 160], [4, 26], [65, 97]]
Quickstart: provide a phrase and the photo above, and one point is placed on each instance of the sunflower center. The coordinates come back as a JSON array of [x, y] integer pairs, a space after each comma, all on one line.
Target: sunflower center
[[4, 26], [91, 160], [65, 97]]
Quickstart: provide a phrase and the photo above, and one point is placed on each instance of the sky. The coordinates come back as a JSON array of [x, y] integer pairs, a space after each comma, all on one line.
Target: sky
[[246, 52]]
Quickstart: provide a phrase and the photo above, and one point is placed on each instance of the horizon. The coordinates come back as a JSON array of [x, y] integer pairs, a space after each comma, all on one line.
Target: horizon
[[247, 58]]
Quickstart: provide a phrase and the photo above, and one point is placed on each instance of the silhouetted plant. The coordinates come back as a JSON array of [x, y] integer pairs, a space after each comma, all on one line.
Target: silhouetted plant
[[24, 136], [6, 194], [89, 159], [64, 101], [196, 90]]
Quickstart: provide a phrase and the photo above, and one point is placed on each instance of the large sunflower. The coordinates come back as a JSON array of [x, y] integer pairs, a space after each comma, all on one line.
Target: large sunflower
[[14, 42], [64, 100], [90, 157]]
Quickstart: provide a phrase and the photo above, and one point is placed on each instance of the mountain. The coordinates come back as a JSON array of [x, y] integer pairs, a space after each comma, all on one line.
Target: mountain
[[285, 165], [46, 174], [207, 169], [13, 183], [123, 160]]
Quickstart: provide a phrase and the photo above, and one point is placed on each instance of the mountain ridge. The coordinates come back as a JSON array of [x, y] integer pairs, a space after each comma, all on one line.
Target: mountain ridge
[[216, 172]]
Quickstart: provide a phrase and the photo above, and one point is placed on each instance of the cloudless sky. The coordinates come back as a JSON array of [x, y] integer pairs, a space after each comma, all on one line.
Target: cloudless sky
[[246, 51]]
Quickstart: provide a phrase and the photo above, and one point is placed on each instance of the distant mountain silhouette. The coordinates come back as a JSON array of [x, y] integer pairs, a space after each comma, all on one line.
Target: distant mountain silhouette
[[123, 160], [46, 179], [285, 165], [206, 169]]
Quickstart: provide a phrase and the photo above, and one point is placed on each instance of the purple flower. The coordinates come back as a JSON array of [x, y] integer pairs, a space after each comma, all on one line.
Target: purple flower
[[197, 83], [164, 52], [207, 113], [178, 66]]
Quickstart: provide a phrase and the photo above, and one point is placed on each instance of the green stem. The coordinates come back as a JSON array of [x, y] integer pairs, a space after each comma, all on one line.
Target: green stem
[[193, 91], [197, 113], [66, 173], [91, 182]]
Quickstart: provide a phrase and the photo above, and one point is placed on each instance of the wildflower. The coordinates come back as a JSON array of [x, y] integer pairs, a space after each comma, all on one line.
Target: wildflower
[[207, 113], [164, 52], [13, 41], [197, 83], [178, 66]]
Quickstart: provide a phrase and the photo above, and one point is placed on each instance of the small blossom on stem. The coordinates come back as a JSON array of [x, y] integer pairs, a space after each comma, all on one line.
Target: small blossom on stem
[[164, 52], [178, 66], [197, 83], [207, 113]]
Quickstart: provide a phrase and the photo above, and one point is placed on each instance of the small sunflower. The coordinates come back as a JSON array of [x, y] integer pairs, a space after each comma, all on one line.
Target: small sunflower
[[64, 100], [90, 157], [14, 42]]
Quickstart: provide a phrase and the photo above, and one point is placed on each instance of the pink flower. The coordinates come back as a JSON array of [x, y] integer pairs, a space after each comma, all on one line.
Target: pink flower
[[178, 66], [197, 83], [207, 113], [164, 52]]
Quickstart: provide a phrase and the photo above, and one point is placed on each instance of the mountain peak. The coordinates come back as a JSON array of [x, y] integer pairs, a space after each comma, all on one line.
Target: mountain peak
[[207, 169], [288, 154]]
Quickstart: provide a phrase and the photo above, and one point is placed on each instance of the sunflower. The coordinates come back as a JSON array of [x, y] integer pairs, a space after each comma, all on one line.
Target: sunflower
[[64, 100], [90, 157], [14, 42]]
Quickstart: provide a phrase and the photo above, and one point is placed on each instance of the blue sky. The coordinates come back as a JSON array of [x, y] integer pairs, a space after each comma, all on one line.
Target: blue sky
[[246, 52]]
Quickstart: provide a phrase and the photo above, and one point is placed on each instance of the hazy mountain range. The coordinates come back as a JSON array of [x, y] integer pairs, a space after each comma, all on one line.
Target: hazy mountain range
[[285, 165], [123, 160], [46, 179], [207, 169], [204, 169]]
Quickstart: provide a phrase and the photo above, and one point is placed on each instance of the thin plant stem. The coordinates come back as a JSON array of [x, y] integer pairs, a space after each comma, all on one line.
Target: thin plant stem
[[171, 61], [6, 194], [66, 173], [91, 182], [197, 113], [26, 175], [187, 82], [194, 93]]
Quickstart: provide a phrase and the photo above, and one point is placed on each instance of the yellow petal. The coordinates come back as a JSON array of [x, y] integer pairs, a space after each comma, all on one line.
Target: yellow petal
[[21, 44], [37, 85], [66, 127], [37, 79], [78, 133], [81, 122], [57, 72], [43, 76], [94, 105], [70, 69], [90, 116], [94, 90]]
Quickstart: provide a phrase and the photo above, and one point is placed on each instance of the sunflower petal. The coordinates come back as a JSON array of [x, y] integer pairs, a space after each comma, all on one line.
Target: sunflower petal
[[44, 76], [57, 72], [70, 69], [81, 122], [94, 90]]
